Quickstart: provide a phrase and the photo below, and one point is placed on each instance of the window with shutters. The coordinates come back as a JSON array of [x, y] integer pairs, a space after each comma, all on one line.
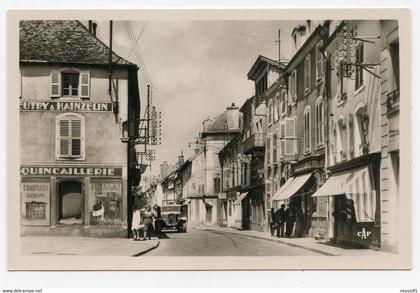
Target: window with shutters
[[342, 82], [307, 129], [275, 138], [290, 148], [268, 150], [70, 83], [70, 141], [359, 69], [282, 140], [319, 62], [319, 121], [307, 72], [292, 87], [283, 102], [270, 112]]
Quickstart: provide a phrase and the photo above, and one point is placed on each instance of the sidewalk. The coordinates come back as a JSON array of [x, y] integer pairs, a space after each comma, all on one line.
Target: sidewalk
[[46, 245], [305, 243]]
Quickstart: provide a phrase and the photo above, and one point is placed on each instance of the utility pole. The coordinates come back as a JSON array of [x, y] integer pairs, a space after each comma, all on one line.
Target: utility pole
[[148, 116], [110, 60], [279, 41]]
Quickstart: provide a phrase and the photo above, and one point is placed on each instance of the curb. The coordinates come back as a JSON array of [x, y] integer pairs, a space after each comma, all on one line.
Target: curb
[[273, 240], [147, 250]]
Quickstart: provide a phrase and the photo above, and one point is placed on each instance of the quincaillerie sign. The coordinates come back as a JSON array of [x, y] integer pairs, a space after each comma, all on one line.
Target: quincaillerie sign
[[71, 171], [65, 106]]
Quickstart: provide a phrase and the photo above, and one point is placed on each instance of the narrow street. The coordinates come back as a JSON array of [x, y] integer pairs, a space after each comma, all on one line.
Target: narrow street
[[212, 243]]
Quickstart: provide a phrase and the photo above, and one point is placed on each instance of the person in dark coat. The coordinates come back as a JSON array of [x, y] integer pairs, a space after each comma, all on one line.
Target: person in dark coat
[[281, 220], [272, 220], [147, 222], [290, 220]]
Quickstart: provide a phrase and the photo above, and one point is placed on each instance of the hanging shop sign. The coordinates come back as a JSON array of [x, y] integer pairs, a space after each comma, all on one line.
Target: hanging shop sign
[[63, 106], [35, 203], [71, 171]]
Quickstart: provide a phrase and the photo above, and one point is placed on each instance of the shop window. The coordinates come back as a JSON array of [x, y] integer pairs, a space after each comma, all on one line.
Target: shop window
[[307, 129], [106, 197], [70, 202], [70, 84], [70, 140]]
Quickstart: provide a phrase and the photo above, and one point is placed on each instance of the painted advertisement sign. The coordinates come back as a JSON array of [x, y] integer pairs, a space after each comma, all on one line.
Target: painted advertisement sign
[[35, 203], [63, 106], [70, 171]]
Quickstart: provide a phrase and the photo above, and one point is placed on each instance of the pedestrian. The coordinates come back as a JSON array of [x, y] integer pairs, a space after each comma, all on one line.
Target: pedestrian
[[147, 222], [136, 224], [272, 220], [281, 220], [156, 219], [290, 220]]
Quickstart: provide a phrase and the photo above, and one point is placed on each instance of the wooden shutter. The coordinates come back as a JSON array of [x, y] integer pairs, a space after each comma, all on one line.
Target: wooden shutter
[[307, 71], [76, 142], [64, 134], [85, 85], [268, 150], [55, 84], [274, 139], [290, 136], [319, 68], [282, 139]]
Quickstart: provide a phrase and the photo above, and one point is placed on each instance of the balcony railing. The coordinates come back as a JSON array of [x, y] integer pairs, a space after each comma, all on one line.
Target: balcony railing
[[393, 101], [253, 142]]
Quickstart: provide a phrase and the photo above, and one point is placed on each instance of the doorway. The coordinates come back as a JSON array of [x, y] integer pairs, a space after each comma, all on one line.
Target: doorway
[[70, 202]]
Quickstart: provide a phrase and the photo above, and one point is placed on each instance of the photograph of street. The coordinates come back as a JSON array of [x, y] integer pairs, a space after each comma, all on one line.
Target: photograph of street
[[143, 138]]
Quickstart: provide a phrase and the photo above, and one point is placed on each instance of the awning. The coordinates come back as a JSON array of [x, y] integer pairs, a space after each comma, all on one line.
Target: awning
[[208, 203], [294, 186], [282, 188], [333, 186], [346, 183], [240, 198]]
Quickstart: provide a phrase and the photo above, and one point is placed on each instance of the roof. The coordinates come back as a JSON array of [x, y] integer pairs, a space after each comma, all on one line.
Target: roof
[[246, 104], [63, 41], [319, 32], [219, 125], [262, 60]]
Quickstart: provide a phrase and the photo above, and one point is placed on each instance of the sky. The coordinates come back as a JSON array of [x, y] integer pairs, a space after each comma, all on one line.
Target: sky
[[197, 69]]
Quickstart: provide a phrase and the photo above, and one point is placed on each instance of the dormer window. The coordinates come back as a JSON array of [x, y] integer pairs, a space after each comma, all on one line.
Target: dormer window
[[70, 83]]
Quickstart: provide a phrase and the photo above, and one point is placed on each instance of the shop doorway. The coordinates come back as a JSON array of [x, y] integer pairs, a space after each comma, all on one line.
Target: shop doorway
[[70, 202]]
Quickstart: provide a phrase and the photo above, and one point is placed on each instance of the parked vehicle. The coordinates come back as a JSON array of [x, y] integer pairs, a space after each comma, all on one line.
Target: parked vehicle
[[173, 217]]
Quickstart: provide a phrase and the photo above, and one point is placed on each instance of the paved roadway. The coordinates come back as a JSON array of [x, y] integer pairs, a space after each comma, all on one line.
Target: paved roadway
[[215, 243]]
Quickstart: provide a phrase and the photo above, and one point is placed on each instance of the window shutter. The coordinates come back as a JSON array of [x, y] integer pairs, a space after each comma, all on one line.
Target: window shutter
[[319, 68], [64, 137], [268, 150], [282, 139], [274, 139], [290, 135], [76, 137], [55, 84], [85, 85]]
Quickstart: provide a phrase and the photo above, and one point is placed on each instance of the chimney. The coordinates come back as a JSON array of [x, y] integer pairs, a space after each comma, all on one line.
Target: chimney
[[94, 26], [180, 159], [90, 26], [233, 117], [206, 123]]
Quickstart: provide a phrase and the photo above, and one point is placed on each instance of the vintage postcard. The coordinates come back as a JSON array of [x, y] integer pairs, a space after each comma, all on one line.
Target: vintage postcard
[[209, 139]]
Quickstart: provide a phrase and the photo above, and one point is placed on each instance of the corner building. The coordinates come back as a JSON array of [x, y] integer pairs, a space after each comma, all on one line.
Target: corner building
[[73, 131]]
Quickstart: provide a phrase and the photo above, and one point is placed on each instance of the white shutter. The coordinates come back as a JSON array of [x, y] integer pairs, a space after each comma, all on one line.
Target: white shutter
[[76, 142], [282, 139], [290, 136], [85, 85], [55, 84]]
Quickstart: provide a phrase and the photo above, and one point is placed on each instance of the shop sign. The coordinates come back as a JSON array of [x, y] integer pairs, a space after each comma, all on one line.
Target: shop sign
[[106, 189], [35, 203], [307, 166], [74, 106], [222, 195], [70, 171]]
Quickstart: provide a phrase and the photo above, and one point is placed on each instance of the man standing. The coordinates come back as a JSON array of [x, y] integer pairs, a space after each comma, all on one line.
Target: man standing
[[281, 220], [272, 220], [290, 220]]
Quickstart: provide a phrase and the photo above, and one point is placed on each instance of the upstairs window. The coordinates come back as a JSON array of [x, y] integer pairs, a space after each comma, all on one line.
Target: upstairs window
[[319, 113], [359, 62], [290, 148], [307, 129], [70, 84], [319, 62], [307, 72], [70, 140], [292, 87]]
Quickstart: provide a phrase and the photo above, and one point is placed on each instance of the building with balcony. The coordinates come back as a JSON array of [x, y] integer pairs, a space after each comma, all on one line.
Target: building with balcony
[[72, 111], [298, 142], [353, 137]]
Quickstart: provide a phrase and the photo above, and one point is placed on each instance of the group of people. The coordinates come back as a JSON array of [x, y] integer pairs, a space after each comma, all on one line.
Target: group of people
[[144, 223], [282, 221]]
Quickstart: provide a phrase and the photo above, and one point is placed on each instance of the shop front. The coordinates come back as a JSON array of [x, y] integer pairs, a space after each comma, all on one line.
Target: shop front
[[73, 201], [240, 212], [354, 198]]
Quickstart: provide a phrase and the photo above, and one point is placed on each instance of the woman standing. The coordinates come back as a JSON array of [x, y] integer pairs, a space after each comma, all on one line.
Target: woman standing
[[147, 222], [135, 224]]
